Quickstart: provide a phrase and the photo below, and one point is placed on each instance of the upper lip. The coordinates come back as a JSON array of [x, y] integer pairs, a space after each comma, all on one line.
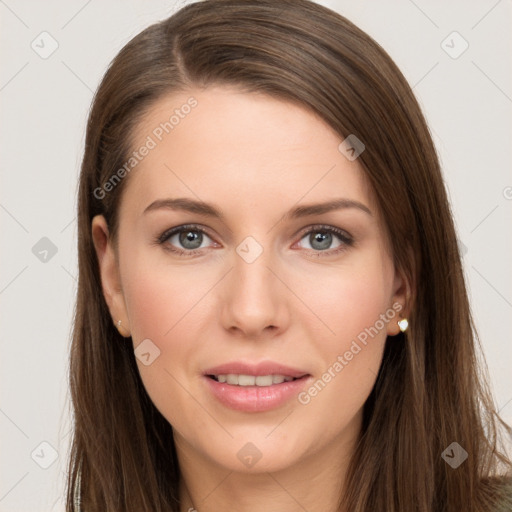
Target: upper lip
[[256, 369]]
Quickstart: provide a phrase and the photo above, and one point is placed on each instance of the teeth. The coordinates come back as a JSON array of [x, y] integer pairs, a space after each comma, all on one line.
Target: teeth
[[263, 380], [232, 379], [251, 380], [246, 380]]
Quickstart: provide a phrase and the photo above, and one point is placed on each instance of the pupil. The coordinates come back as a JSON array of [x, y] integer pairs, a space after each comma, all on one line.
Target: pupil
[[324, 240]]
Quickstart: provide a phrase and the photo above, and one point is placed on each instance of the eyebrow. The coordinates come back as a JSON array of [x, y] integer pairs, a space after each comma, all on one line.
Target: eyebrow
[[210, 210]]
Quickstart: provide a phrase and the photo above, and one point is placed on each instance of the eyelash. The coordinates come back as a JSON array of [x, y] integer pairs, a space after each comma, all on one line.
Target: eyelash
[[345, 239]]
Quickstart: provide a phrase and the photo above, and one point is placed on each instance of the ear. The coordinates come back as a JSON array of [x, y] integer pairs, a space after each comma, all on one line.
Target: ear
[[400, 301], [109, 273]]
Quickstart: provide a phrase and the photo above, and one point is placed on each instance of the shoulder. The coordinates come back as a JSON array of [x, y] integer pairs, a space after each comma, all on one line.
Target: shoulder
[[499, 491]]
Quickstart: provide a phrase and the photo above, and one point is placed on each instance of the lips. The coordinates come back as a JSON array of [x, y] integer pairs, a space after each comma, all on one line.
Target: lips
[[255, 387]]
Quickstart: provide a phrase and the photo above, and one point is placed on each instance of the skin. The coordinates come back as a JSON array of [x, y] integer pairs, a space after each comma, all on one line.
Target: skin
[[255, 158]]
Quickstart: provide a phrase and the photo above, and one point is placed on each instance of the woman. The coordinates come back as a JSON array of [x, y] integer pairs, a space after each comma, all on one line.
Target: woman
[[271, 309]]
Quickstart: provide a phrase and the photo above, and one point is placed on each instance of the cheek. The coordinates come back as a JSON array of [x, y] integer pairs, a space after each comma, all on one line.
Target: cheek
[[167, 304], [164, 305], [348, 301], [355, 307], [161, 298]]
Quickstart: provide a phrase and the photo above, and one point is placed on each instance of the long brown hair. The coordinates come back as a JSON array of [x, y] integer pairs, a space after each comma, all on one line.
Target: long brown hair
[[430, 391]]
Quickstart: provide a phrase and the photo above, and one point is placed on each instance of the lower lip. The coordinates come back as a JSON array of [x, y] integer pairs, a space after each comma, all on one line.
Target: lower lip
[[255, 398]]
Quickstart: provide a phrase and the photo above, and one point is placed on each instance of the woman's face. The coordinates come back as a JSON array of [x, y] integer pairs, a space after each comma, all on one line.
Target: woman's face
[[267, 286]]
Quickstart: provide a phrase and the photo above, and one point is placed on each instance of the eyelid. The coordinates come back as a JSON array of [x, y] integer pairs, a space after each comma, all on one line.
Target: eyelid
[[177, 229], [168, 233], [324, 227], [345, 238]]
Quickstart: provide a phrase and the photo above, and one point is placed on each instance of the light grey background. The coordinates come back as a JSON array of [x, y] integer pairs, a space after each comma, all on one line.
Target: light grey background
[[44, 104]]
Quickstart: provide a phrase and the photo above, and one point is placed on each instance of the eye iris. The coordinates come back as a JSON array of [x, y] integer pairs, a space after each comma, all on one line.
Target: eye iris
[[194, 238], [325, 240]]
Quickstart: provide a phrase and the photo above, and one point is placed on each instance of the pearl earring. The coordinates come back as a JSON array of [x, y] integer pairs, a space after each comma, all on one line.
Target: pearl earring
[[403, 324]]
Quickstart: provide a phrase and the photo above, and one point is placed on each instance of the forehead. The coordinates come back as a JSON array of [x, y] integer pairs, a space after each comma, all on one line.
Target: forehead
[[246, 149]]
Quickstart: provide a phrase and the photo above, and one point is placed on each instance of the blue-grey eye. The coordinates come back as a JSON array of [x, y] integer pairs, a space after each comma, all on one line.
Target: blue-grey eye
[[321, 240], [190, 239], [185, 239]]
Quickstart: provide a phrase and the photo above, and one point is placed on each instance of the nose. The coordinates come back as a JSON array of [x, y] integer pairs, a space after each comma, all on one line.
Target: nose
[[254, 300]]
